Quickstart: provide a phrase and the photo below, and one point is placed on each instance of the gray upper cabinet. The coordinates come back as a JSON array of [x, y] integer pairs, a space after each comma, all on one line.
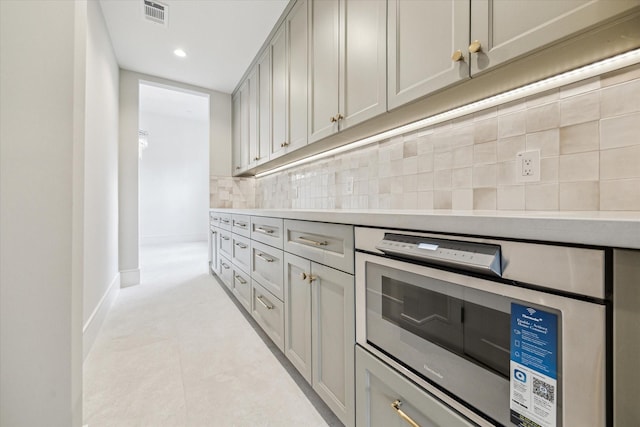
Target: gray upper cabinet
[[253, 149], [499, 33], [264, 109], [347, 68], [423, 38], [235, 134], [289, 78]]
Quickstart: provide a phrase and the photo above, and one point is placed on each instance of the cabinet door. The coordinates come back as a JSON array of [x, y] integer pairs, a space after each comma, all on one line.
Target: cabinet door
[[507, 29], [324, 53], [380, 388], [297, 50], [264, 107], [422, 38], [297, 313], [242, 288], [363, 76], [333, 334], [253, 154], [236, 133], [245, 120], [278, 92]]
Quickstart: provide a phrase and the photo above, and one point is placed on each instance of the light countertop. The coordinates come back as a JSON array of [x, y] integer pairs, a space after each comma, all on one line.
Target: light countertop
[[613, 229]]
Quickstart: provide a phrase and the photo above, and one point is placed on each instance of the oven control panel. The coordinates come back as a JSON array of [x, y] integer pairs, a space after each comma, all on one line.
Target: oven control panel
[[480, 257]]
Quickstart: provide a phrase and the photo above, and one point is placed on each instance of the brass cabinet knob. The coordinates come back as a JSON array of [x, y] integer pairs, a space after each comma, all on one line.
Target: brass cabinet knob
[[284, 144], [332, 119], [457, 56], [475, 46], [237, 167], [303, 276], [339, 117], [256, 158]]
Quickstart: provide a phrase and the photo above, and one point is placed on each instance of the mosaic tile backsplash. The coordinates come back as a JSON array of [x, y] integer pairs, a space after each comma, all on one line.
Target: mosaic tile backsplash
[[588, 135]]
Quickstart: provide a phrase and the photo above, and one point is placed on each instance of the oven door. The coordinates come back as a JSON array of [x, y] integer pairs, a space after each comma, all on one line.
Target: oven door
[[454, 331]]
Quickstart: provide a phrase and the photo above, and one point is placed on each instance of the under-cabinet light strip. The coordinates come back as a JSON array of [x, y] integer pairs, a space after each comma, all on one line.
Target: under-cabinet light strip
[[591, 70]]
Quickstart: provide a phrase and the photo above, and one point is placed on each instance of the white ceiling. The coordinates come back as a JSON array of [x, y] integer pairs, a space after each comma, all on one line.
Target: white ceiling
[[175, 103], [220, 37]]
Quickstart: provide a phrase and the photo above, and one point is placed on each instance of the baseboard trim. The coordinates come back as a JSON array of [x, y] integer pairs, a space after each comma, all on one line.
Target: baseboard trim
[[95, 321], [129, 277]]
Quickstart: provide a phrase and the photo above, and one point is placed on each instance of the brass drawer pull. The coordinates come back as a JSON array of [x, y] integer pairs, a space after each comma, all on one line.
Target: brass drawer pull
[[264, 230], [308, 277], [396, 405], [264, 258], [241, 280], [307, 241], [265, 305], [241, 245]]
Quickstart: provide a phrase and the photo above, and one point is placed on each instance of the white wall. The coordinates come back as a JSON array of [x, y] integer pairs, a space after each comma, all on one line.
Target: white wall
[[101, 276], [220, 160], [174, 179], [42, 66]]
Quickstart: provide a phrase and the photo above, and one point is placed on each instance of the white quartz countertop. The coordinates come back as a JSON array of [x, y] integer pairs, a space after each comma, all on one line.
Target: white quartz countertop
[[613, 229]]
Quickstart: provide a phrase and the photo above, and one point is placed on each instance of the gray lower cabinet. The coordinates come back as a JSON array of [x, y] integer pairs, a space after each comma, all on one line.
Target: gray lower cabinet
[[268, 311], [384, 398], [242, 287], [320, 331], [226, 272]]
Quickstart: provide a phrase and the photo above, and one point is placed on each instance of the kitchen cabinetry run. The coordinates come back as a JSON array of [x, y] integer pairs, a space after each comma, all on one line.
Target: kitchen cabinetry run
[[347, 69], [386, 399]]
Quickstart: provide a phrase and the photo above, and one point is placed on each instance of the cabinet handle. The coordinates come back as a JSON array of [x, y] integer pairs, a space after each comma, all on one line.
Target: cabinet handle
[[457, 56], [396, 405], [214, 232], [224, 237], [241, 280], [264, 230], [267, 306], [237, 168], [475, 46], [303, 276], [255, 159], [264, 258], [226, 267], [332, 119], [241, 245], [284, 144], [339, 117], [226, 221], [240, 224], [216, 218], [305, 241], [308, 277]]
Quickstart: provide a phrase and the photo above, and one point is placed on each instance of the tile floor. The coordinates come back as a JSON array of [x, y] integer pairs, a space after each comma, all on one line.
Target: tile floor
[[177, 351]]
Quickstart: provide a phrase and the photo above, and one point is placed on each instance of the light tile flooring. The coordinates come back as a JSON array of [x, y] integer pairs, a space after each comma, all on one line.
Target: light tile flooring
[[177, 351]]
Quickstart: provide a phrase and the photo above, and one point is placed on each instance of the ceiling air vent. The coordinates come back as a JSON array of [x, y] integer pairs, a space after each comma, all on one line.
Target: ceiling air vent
[[156, 12]]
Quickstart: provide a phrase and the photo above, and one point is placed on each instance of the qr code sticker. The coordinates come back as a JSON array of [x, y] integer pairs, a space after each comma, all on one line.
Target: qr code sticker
[[544, 390]]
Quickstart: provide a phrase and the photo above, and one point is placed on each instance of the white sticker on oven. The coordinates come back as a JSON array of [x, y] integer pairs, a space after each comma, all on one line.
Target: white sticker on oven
[[534, 367]]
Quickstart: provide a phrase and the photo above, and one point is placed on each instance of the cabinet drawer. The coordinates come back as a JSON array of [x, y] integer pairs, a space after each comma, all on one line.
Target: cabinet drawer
[[328, 244], [267, 230], [240, 224], [242, 288], [267, 268], [225, 243], [214, 219], [241, 252], [379, 386], [226, 272], [225, 221], [268, 311]]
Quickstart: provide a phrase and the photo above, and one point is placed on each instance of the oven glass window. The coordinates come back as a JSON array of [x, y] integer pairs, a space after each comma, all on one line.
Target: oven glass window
[[477, 332]]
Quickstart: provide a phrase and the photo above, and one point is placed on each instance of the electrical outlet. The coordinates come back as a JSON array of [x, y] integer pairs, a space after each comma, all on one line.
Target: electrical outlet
[[349, 186], [528, 166]]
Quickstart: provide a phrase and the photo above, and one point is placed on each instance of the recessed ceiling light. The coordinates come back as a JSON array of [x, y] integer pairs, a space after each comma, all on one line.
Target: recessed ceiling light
[[179, 52]]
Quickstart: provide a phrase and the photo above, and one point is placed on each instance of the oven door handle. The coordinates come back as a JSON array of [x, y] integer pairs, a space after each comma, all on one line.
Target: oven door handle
[[396, 404]]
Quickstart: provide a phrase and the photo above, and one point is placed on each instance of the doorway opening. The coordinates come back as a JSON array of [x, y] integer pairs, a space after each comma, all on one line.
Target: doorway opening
[[173, 169]]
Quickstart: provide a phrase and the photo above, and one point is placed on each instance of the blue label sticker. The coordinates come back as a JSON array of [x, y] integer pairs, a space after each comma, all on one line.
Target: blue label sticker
[[534, 339], [534, 367]]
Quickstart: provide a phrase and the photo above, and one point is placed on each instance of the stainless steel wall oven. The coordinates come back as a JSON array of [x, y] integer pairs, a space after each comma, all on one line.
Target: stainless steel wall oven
[[505, 332]]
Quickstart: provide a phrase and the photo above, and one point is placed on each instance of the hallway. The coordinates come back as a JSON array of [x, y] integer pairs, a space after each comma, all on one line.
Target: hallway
[[176, 351]]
